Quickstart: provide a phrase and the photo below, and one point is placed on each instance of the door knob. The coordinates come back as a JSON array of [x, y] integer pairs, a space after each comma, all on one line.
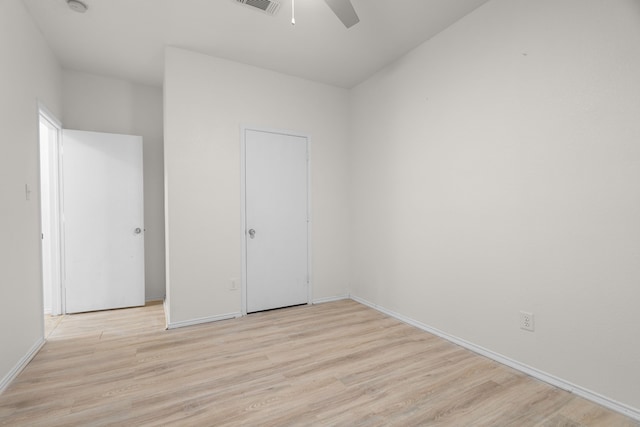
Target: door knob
[[252, 233], [138, 230]]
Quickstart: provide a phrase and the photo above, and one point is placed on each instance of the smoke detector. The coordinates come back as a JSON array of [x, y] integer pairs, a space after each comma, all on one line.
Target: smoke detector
[[269, 7], [77, 6]]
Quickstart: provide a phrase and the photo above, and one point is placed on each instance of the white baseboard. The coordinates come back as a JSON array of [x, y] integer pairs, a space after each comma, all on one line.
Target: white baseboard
[[536, 373], [193, 322], [174, 325], [22, 363], [330, 299]]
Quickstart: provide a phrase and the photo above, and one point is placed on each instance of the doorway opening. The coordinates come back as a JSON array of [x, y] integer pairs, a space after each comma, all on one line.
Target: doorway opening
[[50, 130]]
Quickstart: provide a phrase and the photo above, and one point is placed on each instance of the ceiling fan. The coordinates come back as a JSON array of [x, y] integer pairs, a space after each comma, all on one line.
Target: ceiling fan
[[344, 11], [342, 8]]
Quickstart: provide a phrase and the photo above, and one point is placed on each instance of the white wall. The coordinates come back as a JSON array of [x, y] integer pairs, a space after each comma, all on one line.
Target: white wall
[[498, 166], [206, 101], [29, 72], [103, 104]]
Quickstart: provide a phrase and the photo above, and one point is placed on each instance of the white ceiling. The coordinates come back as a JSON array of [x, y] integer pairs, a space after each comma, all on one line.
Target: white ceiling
[[125, 38]]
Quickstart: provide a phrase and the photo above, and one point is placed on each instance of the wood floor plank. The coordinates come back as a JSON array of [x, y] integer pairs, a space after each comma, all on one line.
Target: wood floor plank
[[334, 364]]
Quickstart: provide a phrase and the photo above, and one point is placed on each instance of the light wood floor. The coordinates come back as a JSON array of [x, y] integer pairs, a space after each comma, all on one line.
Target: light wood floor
[[331, 364], [50, 324]]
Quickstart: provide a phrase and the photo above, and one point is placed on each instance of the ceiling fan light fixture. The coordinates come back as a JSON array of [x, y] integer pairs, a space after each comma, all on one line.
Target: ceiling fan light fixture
[[77, 6]]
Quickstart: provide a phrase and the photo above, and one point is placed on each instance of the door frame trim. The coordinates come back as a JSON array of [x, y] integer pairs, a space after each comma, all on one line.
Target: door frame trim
[[243, 207], [58, 305]]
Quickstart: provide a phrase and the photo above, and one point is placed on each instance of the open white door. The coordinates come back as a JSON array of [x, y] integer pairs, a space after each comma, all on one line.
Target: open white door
[[103, 221], [276, 212]]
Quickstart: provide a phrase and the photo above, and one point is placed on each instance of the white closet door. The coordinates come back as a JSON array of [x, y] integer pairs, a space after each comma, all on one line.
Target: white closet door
[[276, 220]]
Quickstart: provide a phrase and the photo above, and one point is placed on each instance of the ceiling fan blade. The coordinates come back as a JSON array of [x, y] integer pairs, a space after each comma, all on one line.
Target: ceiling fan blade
[[344, 11]]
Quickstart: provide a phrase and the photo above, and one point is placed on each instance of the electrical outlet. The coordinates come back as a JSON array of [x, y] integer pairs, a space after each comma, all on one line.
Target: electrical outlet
[[526, 321], [233, 284]]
